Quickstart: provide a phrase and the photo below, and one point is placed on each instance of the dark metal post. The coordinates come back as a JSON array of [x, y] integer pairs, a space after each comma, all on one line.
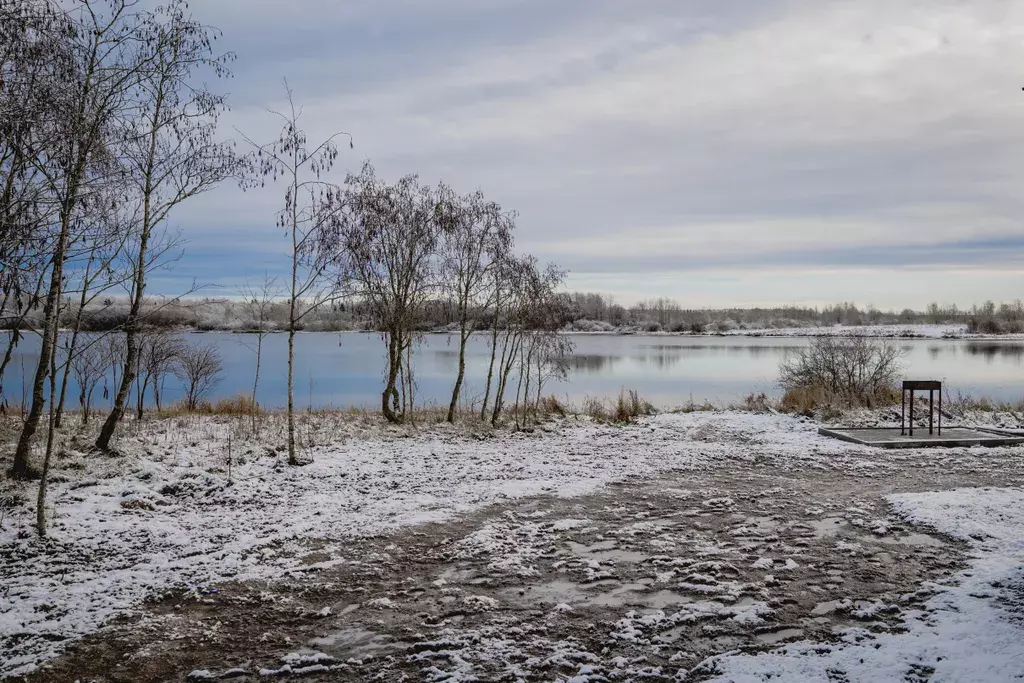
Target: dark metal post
[[931, 412], [911, 412], [940, 412], [903, 411]]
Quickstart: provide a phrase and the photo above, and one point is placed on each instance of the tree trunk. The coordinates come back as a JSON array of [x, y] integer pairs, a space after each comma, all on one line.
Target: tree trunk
[[463, 338], [490, 368], [394, 367], [292, 459], [139, 286], [41, 498], [409, 412], [20, 469], [12, 343], [74, 341], [504, 371], [256, 378]]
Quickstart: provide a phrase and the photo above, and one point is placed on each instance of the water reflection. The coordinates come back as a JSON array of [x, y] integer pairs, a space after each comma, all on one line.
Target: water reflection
[[593, 364], [990, 351], [666, 370]]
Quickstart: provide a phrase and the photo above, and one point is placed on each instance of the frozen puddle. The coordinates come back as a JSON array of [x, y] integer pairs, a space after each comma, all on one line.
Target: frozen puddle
[[356, 643], [773, 637], [823, 528], [576, 595], [635, 595], [607, 550]]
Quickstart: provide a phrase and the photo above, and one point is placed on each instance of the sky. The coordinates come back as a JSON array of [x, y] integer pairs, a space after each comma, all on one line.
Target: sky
[[719, 152]]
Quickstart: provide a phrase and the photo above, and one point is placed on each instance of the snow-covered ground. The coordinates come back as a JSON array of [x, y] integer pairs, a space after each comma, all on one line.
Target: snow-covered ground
[[168, 515], [972, 630]]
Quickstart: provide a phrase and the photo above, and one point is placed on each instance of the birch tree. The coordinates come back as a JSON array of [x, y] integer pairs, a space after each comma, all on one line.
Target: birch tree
[[91, 74], [476, 235], [387, 237], [171, 152], [310, 207]]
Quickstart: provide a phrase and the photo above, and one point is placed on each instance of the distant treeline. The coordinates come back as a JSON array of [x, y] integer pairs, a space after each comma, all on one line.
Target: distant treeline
[[583, 311], [665, 314]]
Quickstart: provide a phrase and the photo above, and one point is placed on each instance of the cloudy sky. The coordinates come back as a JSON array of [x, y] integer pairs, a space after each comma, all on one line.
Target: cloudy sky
[[722, 152]]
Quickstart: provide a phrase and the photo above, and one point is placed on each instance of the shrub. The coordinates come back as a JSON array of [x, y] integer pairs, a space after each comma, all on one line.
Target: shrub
[[200, 369], [840, 372]]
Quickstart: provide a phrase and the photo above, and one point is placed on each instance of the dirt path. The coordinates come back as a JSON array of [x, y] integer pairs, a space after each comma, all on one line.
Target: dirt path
[[641, 580]]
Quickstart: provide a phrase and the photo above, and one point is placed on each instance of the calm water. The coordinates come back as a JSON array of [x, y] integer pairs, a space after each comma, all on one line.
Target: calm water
[[346, 369]]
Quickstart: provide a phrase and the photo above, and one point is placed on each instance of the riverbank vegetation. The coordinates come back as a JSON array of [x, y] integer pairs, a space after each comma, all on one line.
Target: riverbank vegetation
[[585, 312]]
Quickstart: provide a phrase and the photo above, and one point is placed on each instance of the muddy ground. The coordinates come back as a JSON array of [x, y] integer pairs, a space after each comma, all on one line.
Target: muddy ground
[[642, 580]]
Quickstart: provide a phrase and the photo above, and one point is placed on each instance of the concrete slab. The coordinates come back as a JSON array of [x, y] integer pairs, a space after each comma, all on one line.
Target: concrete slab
[[951, 437]]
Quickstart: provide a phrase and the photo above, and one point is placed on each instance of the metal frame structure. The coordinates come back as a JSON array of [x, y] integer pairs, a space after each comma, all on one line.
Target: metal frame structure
[[931, 386]]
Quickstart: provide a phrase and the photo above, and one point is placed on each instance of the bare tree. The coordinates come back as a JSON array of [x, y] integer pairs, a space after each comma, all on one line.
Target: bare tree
[[88, 366], [257, 303], [170, 151], [388, 236], [476, 235], [160, 353], [310, 205], [534, 314], [200, 369], [852, 370], [88, 76]]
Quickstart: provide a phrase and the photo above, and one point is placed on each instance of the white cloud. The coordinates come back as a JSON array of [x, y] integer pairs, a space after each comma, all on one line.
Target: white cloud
[[638, 135]]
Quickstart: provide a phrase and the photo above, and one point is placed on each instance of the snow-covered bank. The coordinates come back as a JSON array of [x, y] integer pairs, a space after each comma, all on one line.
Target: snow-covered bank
[[124, 528], [928, 331], [972, 630], [887, 331]]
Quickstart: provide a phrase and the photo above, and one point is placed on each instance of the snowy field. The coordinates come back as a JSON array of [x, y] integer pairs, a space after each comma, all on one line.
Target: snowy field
[[729, 520]]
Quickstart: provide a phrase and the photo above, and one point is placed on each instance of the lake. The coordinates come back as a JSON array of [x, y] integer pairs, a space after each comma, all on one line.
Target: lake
[[342, 370]]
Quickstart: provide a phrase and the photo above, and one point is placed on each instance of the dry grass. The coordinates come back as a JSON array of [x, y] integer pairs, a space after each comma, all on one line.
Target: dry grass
[[625, 410], [963, 403], [550, 405], [827, 404], [692, 406]]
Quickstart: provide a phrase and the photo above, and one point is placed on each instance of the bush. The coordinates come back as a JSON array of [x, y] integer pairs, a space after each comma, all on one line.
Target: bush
[[841, 372]]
